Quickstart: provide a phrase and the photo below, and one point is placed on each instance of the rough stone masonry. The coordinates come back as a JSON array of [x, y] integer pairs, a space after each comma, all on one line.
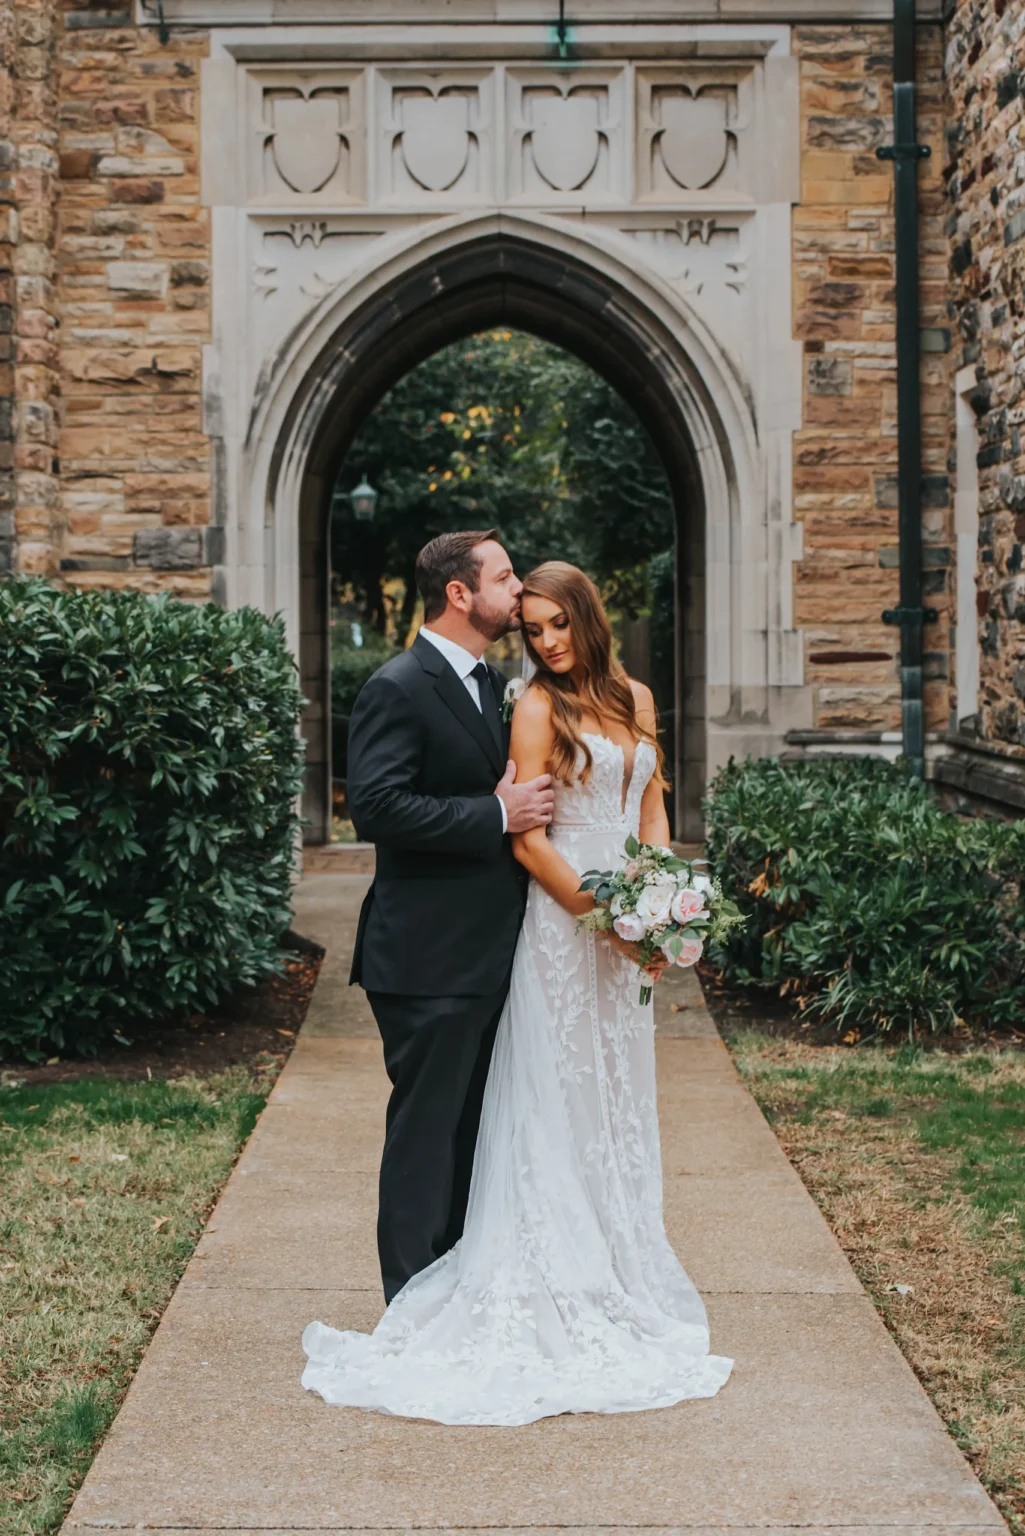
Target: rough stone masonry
[[985, 226]]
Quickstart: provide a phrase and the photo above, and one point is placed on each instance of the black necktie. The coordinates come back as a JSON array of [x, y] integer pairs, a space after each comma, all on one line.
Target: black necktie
[[488, 702]]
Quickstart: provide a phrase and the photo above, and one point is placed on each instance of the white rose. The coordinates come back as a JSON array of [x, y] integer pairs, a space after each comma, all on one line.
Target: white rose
[[654, 902], [629, 927], [703, 884], [616, 904]]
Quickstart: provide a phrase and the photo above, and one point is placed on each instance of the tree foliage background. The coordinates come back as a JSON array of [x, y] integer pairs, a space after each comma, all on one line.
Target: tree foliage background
[[507, 430]]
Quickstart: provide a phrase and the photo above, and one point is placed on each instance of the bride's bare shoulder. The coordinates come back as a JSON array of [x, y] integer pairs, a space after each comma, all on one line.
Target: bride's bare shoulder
[[533, 712]]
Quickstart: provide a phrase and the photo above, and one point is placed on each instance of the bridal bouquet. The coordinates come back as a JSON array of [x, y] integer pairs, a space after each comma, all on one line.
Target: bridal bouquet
[[658, 902]]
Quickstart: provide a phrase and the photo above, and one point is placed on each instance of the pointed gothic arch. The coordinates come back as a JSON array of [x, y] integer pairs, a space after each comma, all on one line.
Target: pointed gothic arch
[[466, 274]]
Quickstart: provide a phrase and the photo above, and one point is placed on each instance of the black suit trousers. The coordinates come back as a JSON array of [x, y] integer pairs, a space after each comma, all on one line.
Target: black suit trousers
[[437, 1051]]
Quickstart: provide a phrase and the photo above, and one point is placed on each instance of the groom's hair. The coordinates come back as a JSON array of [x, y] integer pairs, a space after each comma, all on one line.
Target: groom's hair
[[449, 557]]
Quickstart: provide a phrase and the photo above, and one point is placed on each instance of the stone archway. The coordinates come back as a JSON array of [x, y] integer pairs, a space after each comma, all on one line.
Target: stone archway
[[632, 204], [512, 271]]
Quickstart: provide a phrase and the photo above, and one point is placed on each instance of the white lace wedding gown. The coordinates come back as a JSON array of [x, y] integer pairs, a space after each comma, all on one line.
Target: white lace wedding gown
[[563, 1295]]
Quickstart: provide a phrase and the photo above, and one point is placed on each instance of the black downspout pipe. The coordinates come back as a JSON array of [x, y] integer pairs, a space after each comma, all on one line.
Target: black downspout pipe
[[905, 152]]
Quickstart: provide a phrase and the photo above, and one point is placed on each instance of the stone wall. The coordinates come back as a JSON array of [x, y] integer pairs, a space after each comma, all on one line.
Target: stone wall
[[845, 489], [985, 176], [29, 380], [134, 248]]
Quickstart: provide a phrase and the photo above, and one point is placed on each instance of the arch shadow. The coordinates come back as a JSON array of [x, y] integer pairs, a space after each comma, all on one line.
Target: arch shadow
[[573, 293]]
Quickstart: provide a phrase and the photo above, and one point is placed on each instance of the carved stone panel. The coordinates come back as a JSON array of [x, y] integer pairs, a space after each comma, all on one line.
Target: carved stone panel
[[306, 135], [705, 259], [294, 262], [566, 135], [434, 135], [695, 253], [693, 133]]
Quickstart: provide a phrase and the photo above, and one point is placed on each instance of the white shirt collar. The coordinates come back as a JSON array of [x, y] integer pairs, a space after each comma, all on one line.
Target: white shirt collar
[[460, 660]]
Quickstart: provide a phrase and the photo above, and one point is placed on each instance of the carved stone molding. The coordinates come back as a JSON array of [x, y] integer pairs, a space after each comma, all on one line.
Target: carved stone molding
[[448, 135], [566, 134], [434, 134], [402, 14], [694, 131], [306, 134], [293, 263], [696, 252]]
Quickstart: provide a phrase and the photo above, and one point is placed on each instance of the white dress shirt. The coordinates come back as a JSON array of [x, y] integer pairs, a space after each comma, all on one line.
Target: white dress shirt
[[462, 663]]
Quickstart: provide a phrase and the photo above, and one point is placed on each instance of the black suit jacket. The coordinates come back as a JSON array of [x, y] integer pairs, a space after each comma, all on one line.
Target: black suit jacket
[[444, 912]]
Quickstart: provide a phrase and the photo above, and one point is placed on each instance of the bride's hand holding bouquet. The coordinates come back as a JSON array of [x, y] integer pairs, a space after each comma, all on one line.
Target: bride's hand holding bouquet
[[656, 909]]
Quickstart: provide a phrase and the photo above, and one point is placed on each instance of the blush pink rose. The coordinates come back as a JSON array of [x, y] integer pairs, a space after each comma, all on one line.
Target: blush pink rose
[[690, 954], [686, 906], [630, 927]]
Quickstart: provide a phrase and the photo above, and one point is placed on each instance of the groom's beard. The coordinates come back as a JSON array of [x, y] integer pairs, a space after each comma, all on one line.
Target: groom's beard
[[491, 623]]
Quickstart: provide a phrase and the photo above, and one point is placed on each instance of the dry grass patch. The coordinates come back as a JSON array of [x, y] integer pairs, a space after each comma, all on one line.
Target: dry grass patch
[[106, 1186], [917, 1160]]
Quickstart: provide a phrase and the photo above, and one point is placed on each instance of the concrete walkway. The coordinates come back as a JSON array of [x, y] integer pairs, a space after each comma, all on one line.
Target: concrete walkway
[[823, 1425]]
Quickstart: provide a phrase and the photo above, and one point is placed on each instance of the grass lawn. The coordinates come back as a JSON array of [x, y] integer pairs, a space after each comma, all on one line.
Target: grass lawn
[[917, 1159], [104, 1188]]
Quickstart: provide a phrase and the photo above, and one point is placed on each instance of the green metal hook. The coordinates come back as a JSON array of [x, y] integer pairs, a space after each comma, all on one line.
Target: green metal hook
[[561, 31]]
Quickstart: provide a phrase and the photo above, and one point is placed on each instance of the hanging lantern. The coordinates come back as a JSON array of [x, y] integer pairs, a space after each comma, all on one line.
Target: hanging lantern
[[364, 501]]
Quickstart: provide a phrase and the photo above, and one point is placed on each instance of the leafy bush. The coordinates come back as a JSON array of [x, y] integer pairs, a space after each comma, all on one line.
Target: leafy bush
[[352, 666], [868, 903], [149, 764]]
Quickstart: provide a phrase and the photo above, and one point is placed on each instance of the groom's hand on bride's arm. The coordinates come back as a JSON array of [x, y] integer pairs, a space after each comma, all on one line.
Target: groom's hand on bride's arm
[[527, 805]]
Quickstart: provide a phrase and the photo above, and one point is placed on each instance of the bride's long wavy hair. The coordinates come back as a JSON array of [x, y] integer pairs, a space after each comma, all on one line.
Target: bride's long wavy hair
[[604, 690]]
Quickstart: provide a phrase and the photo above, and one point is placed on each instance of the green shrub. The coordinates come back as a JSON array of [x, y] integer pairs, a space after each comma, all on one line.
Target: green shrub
[[873, 907], [149, 764], [352, 665]]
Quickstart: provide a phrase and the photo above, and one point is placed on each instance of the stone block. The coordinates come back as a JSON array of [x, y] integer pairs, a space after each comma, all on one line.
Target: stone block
[[189, 272], [137, 279], [129, 110], [169, 549], [140, 165], [94, 563], [830, 375], [137, 189], [1014, 228], [77, 165], [175, 106], [89, 20]]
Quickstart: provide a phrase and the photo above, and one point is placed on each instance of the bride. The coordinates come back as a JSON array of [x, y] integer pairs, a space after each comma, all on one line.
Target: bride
[[563, 1295]]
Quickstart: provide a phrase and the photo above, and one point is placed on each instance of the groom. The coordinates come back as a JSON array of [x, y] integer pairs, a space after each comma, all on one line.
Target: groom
[[429, 783]]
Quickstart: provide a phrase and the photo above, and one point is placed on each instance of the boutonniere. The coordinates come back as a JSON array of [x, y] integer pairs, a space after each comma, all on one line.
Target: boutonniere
[[515, 688]]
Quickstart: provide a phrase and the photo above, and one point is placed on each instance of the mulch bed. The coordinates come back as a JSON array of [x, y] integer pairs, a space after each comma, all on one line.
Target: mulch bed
[[256, 1022]]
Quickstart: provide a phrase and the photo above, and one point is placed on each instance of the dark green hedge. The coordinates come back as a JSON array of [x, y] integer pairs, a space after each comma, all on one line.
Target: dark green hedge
[[867, 903], [149, 767]]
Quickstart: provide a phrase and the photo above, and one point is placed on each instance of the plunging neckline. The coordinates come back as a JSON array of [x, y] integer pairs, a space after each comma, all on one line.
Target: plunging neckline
[[628, 778]]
